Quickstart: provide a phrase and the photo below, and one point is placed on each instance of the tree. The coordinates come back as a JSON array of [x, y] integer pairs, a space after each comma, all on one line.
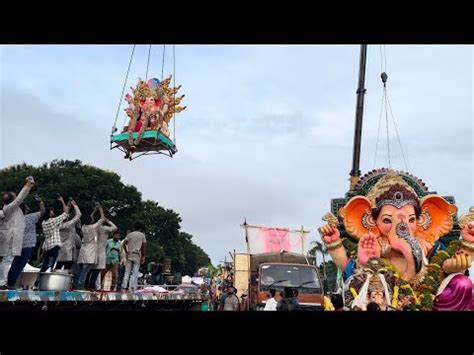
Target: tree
[[213, 271], [84, 183], [319, 248], [87, 184], [331, 275]]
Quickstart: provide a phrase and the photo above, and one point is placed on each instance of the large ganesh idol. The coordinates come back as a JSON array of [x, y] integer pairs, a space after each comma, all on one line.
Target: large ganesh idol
[[391, 216]]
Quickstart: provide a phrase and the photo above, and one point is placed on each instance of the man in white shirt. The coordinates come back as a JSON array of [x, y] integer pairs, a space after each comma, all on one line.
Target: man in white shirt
[[89, 250], [271, 304], [12, 228], [68, 234]]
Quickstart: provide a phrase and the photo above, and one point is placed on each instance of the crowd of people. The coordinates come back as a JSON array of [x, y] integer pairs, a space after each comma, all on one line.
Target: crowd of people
[[222, 296], [87, 251]]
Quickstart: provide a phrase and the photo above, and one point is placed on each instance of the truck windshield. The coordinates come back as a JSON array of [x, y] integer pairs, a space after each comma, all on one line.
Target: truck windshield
[[280, 276]]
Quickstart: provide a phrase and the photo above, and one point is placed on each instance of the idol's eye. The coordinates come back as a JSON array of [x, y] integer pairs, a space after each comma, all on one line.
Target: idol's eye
[[387, 220], [412, 220]]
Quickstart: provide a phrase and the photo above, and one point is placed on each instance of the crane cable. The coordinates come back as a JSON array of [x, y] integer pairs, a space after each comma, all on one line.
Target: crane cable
[[163, 61], [378, 130], [148, 63], [384, 80], [114, 127], [388, 107], [174, 94]]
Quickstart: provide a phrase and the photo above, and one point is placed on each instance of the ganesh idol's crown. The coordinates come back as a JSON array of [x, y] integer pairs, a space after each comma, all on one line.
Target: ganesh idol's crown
[[392, 189]]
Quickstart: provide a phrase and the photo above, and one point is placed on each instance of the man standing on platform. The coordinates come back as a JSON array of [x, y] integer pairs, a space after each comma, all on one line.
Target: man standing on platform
[[68, 233], [112, 259], [29, 242], [104, 231], [89, 248], [135, 248], [12, 229]]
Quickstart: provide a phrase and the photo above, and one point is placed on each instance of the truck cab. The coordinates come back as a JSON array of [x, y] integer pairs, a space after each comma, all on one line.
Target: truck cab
[[256, 274], [304, 278]]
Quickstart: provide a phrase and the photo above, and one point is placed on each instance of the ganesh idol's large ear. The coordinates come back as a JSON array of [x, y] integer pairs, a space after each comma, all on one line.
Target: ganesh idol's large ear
[[357, 218], [436, 218]]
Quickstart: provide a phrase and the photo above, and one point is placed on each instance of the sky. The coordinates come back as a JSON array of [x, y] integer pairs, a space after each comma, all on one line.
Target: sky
[[268, 130]]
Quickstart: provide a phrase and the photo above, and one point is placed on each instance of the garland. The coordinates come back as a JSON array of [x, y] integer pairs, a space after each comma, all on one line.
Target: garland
[[435, 275], [425, 292]]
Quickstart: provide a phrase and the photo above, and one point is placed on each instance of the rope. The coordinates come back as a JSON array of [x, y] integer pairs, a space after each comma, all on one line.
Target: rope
[[174, 95], [381, 109], [398, 136], [386, 125], [378, 131], [148, 62], [383, 68], [123, 89], [163, 62]]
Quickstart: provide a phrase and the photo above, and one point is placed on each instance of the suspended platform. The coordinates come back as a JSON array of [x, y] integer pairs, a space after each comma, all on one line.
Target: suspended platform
[[152, 142], [85, 300]]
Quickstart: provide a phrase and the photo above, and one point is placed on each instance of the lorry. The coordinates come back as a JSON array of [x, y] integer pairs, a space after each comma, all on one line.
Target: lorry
[[256, 274]]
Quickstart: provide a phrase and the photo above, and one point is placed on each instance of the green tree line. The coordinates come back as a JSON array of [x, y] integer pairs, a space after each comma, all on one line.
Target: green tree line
[[88, 184]]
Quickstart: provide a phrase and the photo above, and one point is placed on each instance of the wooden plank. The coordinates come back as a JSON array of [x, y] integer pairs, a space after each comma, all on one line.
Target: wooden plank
[[242, 273]]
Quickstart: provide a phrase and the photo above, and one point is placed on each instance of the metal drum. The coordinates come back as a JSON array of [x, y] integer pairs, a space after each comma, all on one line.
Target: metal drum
[[55, 281]]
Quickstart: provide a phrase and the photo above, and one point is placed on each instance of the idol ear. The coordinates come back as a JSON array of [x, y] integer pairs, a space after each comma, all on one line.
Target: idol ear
[[436, 218], [357, 217]]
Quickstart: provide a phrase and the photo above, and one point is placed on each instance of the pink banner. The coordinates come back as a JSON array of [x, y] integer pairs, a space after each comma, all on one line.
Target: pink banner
[[275, 240]]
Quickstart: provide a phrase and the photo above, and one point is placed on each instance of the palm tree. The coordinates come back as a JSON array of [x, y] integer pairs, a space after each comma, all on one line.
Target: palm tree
[[321, 248]]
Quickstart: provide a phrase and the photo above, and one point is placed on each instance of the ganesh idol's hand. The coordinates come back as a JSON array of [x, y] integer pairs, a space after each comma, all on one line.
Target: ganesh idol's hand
[[368, 247], [329, 234], [467, 233], [457, 263], [129, 112], [332, 238], [405, 301]]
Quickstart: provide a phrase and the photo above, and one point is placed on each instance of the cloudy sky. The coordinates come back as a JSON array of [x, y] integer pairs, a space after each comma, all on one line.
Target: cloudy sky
[[268, 131]]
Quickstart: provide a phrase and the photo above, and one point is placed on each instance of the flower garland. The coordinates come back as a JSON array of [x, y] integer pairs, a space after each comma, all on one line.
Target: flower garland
[[424, 293], [435, 275], [395, 296]]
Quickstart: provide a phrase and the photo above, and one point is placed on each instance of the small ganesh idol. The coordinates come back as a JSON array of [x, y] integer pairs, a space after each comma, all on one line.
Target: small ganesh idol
[[370, 284]]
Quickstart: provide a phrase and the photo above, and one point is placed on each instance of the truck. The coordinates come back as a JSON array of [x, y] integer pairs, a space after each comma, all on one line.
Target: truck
[[256, 274]]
